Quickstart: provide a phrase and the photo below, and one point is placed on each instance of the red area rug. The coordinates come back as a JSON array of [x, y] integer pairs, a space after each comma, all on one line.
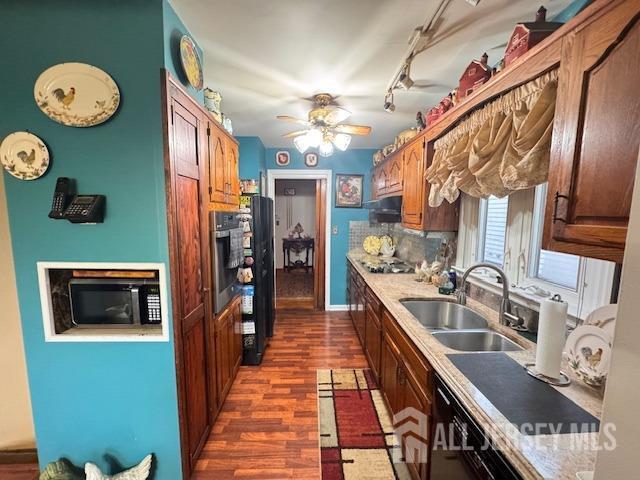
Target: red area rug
[[355, 428]]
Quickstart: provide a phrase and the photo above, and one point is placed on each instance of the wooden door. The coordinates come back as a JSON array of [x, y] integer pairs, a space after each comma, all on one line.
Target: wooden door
[[232, 175], [381, 179], [360, 314], [373, 338], [188, 255], [394, 173], [235, 336], [223, 352], [216, 165], [414, 184], [413, 398], [319, 254], [389, 378], [596, 137]]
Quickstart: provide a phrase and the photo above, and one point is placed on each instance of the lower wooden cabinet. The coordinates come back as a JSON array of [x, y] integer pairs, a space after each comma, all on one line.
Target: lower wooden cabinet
[[228, 347]]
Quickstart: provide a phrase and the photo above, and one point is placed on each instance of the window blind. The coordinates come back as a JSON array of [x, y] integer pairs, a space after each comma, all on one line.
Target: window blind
[[495, 230], [559, 268]]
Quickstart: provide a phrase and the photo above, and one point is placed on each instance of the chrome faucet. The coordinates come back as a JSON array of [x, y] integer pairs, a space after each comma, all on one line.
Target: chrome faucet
[[506, 317]]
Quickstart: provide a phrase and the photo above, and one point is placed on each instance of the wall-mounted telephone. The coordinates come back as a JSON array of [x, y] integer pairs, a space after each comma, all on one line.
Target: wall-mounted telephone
[[76, 208]]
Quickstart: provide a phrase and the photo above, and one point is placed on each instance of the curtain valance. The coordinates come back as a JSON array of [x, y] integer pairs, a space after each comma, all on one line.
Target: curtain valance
[[499, 148]]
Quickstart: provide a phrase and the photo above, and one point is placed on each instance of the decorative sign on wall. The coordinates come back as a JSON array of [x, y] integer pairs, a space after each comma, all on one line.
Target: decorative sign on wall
[[311, 159], [349, 190], [191, 63], [282, 158], [76, 94], [24, 155]]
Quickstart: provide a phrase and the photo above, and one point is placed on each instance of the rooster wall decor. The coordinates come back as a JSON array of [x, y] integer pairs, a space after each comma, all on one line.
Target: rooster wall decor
[[139, 472], [24, 155]]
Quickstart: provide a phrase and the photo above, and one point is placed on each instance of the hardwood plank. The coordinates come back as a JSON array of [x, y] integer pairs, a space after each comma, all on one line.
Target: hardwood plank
[[268, 427], [19, 471]]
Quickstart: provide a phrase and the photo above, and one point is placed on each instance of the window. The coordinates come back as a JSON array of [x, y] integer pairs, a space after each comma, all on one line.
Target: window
[[495, 229], [507, 232]]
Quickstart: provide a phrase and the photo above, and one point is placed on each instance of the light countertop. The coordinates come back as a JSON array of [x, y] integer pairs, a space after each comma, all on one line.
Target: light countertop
[[534, 456]]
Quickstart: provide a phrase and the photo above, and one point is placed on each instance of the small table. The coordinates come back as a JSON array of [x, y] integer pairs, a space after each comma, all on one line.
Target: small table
[[297, 245]]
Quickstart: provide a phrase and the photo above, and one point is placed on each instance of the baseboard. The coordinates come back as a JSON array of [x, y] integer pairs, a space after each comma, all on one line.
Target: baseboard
[[23, 455], [337, 308]]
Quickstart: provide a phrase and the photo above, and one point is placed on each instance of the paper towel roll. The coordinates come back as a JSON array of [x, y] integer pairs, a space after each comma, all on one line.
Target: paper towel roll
[[551, 337]]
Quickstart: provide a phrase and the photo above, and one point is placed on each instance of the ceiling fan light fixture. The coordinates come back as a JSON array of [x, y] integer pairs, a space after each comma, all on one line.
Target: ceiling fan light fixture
[[302, 142], [314, 138], [326, 148], [342, 141]]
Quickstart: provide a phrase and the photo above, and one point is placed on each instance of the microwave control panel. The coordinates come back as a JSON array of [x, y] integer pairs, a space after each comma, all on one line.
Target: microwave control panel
[[153, 306]]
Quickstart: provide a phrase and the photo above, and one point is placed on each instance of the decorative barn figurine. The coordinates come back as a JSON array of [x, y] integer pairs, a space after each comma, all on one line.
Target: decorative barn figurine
[[433, 114], [526, 35], [477, 73], [139, 472]]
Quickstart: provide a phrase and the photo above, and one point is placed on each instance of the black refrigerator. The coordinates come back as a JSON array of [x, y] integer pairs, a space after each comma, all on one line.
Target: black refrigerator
[[258, 325]]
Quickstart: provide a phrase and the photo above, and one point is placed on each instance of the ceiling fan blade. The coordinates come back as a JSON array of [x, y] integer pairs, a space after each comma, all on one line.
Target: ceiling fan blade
[[288, 118], [337, 115], [353, 129], [297, 133]]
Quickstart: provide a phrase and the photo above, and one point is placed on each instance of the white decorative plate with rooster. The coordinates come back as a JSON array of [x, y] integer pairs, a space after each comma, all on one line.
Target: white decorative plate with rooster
[[24, 155], [76, 94], [589, 351]]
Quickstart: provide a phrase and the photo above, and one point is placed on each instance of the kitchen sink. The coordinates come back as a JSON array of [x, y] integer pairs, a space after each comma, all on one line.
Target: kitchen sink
[[476, 341], [443, 315]]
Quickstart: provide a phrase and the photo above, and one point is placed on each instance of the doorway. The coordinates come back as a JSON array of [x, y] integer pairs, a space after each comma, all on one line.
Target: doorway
[[300, 234]]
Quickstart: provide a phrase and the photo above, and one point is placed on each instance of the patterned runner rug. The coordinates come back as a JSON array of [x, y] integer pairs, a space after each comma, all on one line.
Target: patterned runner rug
[[356, 430]]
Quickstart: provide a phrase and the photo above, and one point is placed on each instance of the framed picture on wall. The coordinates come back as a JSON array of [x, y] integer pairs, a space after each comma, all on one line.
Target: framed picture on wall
[[282, 158], [311, 159], [349, 190]]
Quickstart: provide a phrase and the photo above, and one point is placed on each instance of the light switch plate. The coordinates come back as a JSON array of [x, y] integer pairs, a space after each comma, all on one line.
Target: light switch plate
[[334, 230]]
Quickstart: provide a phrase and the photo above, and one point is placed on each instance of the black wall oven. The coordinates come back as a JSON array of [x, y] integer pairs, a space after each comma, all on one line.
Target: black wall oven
[[225, 279], [113, 301]]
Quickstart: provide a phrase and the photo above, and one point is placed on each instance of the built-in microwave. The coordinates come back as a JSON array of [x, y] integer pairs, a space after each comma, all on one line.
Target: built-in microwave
[[109, 301]]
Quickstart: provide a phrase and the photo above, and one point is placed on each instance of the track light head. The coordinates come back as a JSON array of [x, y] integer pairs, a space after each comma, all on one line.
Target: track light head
[[389, 106]]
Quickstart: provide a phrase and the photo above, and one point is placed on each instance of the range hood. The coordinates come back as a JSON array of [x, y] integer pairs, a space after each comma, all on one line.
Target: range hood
[[385, 210]]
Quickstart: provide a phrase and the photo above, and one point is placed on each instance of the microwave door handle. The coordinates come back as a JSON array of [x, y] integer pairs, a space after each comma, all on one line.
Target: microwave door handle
[[222, 234], [135, 304]]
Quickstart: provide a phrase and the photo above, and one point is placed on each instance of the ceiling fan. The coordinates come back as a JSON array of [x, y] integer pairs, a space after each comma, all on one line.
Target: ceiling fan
[[323, 128]]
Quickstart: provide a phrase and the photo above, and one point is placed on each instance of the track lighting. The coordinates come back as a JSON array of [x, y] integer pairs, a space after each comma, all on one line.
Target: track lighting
[[404, 80], [389, 106]]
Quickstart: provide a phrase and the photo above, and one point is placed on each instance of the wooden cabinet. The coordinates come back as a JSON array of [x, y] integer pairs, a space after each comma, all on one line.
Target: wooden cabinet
[[222, 169], [393, 168], [414, 185], [596, 136], [373, 332], [359, 312], [228, 341]]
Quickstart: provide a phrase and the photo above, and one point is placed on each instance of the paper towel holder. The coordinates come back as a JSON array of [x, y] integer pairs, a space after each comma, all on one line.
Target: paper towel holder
[[563, 381]]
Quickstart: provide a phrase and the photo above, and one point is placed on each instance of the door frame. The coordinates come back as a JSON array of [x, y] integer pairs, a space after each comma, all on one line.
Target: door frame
[[305, 174]]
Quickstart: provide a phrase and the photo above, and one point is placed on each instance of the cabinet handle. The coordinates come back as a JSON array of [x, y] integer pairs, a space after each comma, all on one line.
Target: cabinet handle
[[556, 198]]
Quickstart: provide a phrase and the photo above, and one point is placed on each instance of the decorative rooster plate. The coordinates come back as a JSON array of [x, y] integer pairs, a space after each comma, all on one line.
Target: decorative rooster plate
[[589, 351], [24, 155], [76, 94]]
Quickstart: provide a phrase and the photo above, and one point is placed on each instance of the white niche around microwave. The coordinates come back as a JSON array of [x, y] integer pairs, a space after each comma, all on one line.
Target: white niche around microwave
[[110, 302]]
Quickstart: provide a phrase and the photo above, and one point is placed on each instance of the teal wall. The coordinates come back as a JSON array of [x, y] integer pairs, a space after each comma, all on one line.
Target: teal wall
[[90, 399], [353, 161], [252, 157]]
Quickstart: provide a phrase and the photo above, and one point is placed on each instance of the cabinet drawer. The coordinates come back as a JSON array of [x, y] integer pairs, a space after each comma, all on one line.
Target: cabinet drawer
[[413, 359], [374, 302]]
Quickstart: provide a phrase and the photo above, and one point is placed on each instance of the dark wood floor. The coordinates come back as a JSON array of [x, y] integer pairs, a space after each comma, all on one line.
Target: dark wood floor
[[19, 472], [268, 428]]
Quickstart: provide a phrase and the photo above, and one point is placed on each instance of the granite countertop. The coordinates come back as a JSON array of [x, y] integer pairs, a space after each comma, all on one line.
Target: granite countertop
[[534, 456]]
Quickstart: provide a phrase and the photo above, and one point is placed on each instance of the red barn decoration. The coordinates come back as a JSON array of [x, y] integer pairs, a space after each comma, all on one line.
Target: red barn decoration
[[528, 34], [477, 73]]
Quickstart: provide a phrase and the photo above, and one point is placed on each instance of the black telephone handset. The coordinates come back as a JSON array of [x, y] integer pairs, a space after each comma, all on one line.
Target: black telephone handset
[[65, 191]]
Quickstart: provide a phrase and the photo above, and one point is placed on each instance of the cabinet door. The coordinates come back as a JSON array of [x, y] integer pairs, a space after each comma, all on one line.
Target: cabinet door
[[596, 137], [361, 316], [414, 183], [217, 160], [232, 175], [223, 354], [236, 336], [373, 337], [417, 459], [394, 173], [390, 374], [381, 179]]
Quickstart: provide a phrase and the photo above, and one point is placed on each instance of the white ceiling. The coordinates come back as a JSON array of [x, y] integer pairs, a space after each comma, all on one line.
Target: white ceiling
[[267, 56]]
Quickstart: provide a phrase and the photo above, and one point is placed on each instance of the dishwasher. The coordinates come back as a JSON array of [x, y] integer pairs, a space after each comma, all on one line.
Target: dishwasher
[[461, 450]]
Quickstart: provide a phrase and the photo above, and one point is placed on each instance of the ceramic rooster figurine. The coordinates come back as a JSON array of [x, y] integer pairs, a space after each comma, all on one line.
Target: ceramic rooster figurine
[[139, 472]]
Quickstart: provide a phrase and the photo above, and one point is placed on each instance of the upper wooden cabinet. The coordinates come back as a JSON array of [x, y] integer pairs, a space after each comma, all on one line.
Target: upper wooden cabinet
[[222, 169], [393, 172], [596, 136], [414, 185]]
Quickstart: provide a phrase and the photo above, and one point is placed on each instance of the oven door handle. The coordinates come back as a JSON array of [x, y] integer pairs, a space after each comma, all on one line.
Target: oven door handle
[[222, 233]]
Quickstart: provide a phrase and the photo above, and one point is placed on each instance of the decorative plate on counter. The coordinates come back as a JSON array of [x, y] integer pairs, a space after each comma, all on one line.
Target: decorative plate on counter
[[604, 318], [589, 351], [76, 94], [387, 247], [191, 63], [372, 245], [24, 155]]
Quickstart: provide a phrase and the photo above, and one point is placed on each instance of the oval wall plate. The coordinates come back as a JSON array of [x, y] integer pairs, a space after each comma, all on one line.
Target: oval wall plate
[[191, 63], [76, 94], [24, 155]]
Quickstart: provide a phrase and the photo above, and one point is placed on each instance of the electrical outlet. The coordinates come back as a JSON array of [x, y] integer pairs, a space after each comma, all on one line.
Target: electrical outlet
[[334, 230]]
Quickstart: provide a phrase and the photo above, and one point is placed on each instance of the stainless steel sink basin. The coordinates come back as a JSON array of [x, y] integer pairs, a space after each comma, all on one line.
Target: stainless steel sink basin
[[443, 315], [476, 341]]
